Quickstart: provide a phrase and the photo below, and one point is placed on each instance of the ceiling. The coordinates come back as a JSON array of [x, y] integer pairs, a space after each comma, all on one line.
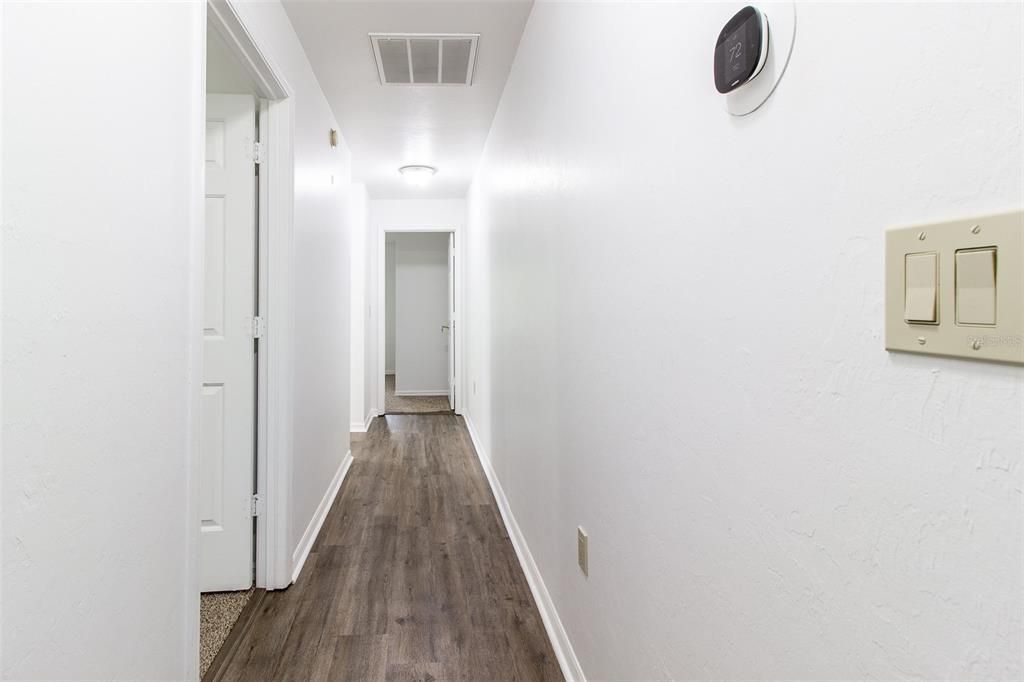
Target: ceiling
[[387, 126]]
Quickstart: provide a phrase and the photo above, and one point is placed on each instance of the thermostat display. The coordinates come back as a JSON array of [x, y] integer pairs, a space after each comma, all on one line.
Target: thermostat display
[[741, 50]]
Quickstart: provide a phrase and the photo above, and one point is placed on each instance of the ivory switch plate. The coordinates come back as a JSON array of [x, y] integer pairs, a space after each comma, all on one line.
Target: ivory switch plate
[[956, 288], [581, 550]]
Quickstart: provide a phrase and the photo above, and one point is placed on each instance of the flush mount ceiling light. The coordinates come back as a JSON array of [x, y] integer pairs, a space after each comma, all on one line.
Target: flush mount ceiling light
[[417, 174]]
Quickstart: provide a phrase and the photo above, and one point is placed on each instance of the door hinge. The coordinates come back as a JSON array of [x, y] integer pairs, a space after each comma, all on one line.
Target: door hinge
[[259, 152], [259, 327], [256, 505]]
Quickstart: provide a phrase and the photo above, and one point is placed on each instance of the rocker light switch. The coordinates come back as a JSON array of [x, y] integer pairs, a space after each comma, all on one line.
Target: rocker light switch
[[921, 281], [976, 286], [956, 288]]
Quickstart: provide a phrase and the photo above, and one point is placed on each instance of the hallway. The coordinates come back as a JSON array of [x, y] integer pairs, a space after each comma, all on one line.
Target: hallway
[[511, 340], [412, 577]]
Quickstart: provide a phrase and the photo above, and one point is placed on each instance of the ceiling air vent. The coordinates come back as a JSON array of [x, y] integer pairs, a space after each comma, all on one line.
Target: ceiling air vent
[[425, 58]]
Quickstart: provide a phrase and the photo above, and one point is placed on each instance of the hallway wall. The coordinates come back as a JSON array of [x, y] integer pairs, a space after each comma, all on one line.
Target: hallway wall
[[359, 220], [676, 341], [101, 224], [321, 271], [389, 305]]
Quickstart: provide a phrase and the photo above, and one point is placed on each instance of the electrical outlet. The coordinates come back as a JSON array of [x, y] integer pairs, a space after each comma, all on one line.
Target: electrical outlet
[[474, 387], [581, 549]]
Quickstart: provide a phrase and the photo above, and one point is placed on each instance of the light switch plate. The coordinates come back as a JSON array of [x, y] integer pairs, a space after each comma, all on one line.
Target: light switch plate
[[582, 557], [999, 342]]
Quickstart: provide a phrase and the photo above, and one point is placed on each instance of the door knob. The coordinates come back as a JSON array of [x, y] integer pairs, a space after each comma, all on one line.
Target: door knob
[[444, 326]]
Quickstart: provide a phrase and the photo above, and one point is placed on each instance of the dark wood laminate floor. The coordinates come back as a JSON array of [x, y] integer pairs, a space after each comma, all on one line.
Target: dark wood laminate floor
[[413, 576]]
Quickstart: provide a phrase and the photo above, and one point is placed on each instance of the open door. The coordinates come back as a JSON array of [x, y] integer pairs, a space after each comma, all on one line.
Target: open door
[[227, 416], [451, 319]]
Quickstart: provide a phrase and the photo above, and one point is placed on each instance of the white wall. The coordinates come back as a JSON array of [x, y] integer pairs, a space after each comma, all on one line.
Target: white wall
[[398, 214], [359, 223], [389, 306], [102, 224], [421, 307], [321, 267], [440, 214], [3, 537], [677, 342]]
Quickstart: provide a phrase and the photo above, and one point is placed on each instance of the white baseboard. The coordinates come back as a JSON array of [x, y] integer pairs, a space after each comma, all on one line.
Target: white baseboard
[[567, 660], [301, 552], [356, 427], [435, 392]]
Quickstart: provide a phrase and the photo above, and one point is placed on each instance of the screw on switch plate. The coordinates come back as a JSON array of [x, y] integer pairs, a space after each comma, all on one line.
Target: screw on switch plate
[[581, 549]]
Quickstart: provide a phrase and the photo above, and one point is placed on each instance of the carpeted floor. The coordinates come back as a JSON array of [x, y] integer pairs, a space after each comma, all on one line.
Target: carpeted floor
[[218, 612], [412, 404]]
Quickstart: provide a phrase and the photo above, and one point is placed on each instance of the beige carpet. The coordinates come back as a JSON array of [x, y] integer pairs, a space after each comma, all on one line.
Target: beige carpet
[[218, 612], [411, 404]]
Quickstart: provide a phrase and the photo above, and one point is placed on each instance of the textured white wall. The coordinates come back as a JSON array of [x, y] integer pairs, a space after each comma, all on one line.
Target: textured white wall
[[321, 268], [421, 307], [102, 185], [676, 338]]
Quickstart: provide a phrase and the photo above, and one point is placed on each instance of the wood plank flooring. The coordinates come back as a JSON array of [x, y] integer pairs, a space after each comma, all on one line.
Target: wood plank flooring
[[412, 404], [413, 576]]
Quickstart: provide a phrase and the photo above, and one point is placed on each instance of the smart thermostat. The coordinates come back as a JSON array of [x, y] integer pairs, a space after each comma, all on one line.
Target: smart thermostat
[[742, 49], [749, 59]]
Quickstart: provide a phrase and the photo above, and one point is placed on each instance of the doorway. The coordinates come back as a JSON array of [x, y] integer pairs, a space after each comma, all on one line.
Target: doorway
[[231, 306], [419, 320], [244, 405]]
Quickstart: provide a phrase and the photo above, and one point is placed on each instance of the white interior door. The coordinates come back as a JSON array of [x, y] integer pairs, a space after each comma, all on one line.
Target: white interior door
[[451, 319], [228, 392]]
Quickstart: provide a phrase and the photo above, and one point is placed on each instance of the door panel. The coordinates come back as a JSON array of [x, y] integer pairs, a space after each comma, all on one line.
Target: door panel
[[213, 298], [227, 404], [211, 501]]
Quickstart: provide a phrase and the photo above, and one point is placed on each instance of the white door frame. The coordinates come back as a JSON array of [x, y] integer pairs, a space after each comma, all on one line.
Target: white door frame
[[458, 335], [275, 230]]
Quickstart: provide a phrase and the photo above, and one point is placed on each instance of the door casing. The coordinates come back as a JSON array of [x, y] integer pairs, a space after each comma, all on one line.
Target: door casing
[[453, 312]]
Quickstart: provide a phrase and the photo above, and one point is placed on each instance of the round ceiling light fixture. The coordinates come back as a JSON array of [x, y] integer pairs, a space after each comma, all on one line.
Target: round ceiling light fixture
[[417, 174]]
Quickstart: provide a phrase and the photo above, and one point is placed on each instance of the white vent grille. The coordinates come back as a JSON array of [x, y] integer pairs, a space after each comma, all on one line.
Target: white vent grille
[[425, 59]]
